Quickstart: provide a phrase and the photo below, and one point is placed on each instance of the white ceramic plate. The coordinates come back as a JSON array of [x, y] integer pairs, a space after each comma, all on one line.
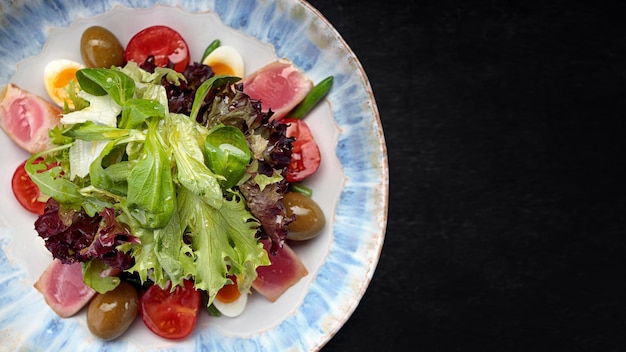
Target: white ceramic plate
[[351, 185]]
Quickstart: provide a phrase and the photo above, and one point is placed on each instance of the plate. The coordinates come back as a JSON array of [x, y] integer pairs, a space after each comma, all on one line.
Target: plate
[[351, 184]]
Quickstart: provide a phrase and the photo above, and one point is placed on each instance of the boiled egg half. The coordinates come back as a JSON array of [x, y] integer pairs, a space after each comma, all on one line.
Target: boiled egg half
[[57, 75], [230, 301], [225, 60]]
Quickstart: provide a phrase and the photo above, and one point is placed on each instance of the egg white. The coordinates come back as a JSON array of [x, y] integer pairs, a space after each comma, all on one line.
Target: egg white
[[51, 72], [234, 308], [228, 56]]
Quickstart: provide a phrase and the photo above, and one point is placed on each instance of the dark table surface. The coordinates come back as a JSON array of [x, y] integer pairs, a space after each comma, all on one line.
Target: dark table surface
[[504, 123]]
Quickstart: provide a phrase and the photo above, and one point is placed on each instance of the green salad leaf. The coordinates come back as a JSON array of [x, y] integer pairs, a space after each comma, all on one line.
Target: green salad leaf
[[227, 154], [92, 276], [223, 241], [151, 194], [116, 84], [170, 180]]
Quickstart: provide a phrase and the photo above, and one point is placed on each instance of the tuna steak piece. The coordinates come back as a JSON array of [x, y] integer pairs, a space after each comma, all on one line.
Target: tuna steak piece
[[26, 118], [285, 271], [279, 85], [63, 288]]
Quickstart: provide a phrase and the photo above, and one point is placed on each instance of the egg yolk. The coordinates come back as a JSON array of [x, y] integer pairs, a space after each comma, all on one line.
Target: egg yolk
[[220, 68], [228, 293], [61, 80], [64, 77]]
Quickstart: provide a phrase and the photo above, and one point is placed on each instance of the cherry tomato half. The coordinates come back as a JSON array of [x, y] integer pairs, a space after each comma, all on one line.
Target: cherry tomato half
[[165, 43], [305, 155], [171, 315], [26, 191]]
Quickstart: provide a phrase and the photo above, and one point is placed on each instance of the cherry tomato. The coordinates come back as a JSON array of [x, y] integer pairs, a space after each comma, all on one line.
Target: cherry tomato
[[165, 43], [305, 155], [171, 315], [26, 191]]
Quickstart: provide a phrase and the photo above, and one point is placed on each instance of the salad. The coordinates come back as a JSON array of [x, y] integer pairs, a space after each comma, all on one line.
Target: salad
[[167, 185]]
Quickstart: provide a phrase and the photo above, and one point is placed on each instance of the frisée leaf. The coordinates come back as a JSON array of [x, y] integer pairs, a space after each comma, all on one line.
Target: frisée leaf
[[223, 240]]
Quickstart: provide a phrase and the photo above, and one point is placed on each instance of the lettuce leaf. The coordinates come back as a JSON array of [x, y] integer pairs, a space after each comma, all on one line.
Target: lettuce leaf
[[151, 194], [151, 199], [223, 242]]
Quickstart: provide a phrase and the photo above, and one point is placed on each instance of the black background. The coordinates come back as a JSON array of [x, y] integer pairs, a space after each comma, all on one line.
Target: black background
[[504, 123]]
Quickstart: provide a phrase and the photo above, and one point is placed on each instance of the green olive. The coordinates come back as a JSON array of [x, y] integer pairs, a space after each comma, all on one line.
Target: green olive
[[99, 48], [110, 314], [309, 218]]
